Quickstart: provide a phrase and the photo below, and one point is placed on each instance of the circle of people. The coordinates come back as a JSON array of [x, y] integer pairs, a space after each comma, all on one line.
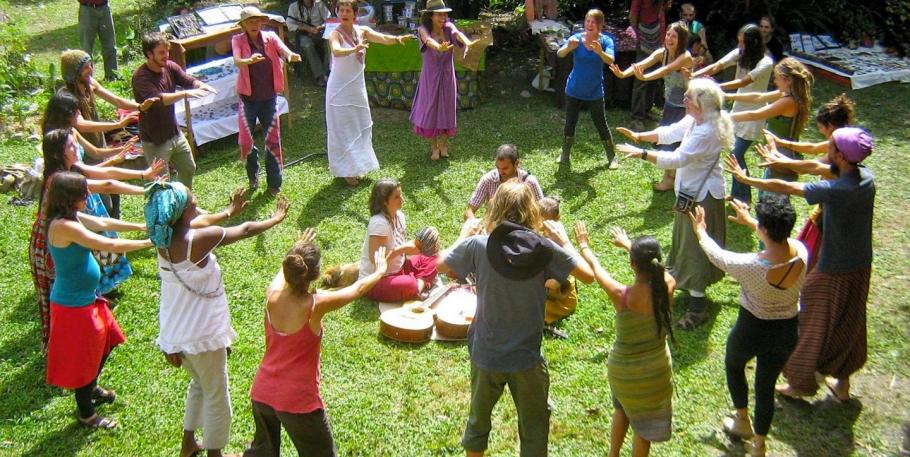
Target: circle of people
[[802, 298]]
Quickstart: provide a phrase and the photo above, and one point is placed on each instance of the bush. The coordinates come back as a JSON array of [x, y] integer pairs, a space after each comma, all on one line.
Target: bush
[[21, 83]]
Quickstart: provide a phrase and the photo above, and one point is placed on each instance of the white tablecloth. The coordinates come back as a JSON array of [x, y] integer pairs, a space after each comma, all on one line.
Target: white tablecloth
[[215, 116]]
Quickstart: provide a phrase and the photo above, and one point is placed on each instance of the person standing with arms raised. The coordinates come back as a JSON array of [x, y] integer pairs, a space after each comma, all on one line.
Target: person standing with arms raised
[[585, 87], [158, 78], [349, 124], [259, 55]]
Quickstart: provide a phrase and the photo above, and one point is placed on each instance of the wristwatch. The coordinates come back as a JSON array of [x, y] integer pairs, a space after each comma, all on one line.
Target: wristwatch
[[644, 154]]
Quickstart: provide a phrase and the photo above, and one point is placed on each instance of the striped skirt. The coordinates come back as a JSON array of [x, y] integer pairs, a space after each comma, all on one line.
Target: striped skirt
[[832, 328]]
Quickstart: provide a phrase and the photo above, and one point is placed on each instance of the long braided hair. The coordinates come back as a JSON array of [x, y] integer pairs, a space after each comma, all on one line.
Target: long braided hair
[[646, 256]]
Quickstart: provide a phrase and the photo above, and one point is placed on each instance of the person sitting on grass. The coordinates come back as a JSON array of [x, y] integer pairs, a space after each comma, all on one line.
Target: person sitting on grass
[[766, 328], [83, 331], [194, 321], [285, 391], [639, 368], [410, 271], [562, 297], [507, 167]]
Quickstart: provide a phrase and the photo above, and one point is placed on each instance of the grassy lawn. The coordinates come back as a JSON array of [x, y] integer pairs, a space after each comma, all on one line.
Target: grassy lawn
[[386, 398]]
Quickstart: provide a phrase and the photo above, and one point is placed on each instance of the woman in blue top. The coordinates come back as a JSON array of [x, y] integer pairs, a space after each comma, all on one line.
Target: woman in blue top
[[585, 86], [83, 330]]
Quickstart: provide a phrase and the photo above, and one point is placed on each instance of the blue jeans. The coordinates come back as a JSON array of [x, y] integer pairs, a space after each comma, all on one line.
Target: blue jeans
[[739, 190], [265, 112]]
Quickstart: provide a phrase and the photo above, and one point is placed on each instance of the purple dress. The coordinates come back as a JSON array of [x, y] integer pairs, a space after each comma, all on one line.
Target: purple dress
[[433, 111]]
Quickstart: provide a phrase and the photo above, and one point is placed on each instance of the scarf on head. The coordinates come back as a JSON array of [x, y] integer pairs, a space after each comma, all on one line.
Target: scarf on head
[[164, 205], [71, 63]]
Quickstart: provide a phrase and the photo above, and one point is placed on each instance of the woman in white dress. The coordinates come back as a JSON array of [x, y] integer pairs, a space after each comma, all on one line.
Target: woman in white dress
[[347, 111]]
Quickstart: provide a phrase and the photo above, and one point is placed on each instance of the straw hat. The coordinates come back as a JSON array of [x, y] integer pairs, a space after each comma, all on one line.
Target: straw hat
[[437, 6], [250, 12]]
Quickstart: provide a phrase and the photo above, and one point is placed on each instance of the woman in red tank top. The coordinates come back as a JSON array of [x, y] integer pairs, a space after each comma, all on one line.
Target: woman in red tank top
[[285, 390]]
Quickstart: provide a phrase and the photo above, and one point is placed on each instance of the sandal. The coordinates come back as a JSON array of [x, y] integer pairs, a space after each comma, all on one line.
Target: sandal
[[740, 428], [102, 395], [98, 422], [691, 319], [831, 384]]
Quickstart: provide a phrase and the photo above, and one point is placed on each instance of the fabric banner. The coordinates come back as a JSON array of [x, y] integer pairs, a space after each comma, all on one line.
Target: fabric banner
[[396, 89]]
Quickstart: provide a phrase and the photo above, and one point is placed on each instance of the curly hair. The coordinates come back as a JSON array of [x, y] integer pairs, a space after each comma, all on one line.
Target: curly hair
[[837, 113], [776, 215], [709, 98]]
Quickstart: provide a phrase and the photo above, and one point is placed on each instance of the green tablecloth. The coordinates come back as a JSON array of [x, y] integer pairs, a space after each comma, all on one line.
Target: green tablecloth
[[406, 57]]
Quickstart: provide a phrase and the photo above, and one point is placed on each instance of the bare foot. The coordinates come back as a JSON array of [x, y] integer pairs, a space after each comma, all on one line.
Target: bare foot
[[434, 156], [190, 452], [839, 388], [352, 181], [787, 391], [444, 151]]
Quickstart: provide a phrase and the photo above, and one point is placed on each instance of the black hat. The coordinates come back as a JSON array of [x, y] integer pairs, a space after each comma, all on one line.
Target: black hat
[[516, 252]]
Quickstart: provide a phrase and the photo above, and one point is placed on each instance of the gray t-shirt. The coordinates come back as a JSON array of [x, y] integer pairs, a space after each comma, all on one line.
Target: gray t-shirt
[[847, 204], [508, 325]]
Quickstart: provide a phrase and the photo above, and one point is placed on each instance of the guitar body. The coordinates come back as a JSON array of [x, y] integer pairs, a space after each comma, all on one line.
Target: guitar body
[[408, 324], [455, 313]]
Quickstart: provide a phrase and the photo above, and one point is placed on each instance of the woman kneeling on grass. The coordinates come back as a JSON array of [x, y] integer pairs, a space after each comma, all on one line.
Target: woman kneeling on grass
[[194, 320], [285, 390], [639, 367], [766, 328], [83, 330]]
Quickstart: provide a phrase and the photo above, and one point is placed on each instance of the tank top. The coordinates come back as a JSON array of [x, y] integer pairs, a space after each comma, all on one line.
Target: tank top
[[674, 86], [78, 275], [784, 127], [288, 377]]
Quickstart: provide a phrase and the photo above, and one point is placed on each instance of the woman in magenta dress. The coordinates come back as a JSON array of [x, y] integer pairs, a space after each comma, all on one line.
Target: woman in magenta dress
[[433, 111]]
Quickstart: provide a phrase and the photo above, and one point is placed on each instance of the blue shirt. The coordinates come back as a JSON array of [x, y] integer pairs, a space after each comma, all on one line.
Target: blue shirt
[[507, 329], [77, 275], [847, 204], [586, 81]]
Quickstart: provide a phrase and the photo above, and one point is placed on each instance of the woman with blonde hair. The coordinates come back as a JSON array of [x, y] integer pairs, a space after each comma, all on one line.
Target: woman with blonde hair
[[787, 111], [673, 58], [705, 131]]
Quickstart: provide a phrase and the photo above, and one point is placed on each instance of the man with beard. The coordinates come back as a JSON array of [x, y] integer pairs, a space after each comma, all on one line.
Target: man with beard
[[158, 78], [832, 321]]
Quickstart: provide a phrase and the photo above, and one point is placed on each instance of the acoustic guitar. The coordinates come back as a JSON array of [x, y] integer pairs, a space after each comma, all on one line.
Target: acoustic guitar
[[413, 322], [455, 313]]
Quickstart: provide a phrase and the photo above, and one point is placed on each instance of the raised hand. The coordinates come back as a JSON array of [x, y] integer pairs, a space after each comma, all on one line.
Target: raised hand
[[307, 235], [255, 58], [402, 39], [616, 71], [470, 227], [627, 133], [555, 231], [629, 151], [732, 167], [581, 233], [595, 47], [281, 208], [619, 238], [155, 169], [445, 46], [379, 260], [196, 93], [131, 118], [770, 157], [147, 103], [741, 216], [238, 201], [637, 70], [572, 43], [294, 57], [697, 217]]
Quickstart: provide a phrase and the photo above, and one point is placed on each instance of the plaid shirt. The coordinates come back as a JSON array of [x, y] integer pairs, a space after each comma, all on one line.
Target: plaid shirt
[[491, 181]]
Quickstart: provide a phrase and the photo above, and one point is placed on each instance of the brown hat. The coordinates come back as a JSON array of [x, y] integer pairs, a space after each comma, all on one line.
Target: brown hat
[[437, 6]]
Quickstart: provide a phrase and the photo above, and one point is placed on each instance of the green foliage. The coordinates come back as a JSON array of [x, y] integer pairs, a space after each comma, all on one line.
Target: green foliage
[[897, 25], [20, 79]]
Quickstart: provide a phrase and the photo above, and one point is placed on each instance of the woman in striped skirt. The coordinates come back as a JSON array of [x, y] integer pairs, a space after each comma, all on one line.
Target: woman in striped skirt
[[639, 367]]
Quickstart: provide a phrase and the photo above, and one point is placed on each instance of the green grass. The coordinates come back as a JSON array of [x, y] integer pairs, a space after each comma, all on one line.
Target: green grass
[[386, 398]]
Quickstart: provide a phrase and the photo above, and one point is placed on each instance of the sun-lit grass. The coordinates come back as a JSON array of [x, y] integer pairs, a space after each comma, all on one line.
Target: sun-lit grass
[[387, 398]]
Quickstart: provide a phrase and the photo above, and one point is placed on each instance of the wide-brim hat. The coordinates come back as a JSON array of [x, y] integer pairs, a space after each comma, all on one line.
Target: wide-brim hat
[[250, 12], [437, 6], [516, 252]]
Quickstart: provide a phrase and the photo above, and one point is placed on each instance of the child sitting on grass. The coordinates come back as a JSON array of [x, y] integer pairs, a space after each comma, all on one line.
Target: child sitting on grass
[[562, 298]]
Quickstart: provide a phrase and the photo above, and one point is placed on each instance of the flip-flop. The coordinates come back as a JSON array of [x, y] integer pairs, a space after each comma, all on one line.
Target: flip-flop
[[98, 422], [834, 394], [102, 395]]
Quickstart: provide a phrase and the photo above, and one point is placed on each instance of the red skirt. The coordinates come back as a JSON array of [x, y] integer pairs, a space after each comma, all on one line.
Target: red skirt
[[80, 338]]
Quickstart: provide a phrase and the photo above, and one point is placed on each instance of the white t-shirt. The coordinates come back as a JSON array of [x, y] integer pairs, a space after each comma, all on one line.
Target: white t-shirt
[[761, 75], [379, 225]]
